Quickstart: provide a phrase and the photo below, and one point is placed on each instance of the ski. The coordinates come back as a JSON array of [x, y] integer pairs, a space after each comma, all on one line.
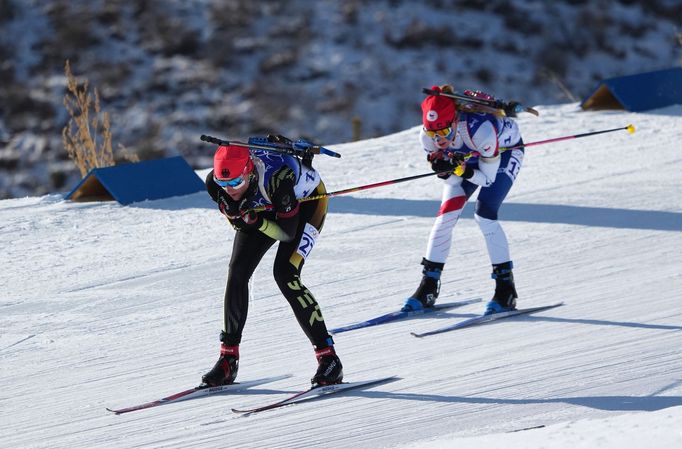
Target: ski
[[485, 319], [316, 392], [198, 392], [400, 315]]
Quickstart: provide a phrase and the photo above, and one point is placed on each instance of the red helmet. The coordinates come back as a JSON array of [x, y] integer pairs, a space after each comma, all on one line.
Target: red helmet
[[231, 161], [438, 112]]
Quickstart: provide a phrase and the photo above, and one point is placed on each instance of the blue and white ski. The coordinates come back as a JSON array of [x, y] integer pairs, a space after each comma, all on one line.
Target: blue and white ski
[[486, 319], [399, 315], [316, 392], [198, 392]]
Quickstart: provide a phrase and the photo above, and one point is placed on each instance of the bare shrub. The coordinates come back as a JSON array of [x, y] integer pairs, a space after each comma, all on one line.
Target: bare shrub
[[86, 140]]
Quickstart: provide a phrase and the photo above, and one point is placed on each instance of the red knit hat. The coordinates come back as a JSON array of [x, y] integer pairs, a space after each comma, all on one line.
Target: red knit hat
[[231, 162], [437, 112]]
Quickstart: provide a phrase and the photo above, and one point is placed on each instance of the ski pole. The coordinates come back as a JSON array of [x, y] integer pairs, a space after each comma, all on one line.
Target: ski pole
[[356, 189], [630, 129]]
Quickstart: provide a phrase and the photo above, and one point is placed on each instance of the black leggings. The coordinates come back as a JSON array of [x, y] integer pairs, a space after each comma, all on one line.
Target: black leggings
[[247, 252]]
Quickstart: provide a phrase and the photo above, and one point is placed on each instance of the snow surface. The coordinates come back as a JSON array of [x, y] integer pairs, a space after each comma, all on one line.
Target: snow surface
[[110, 306]]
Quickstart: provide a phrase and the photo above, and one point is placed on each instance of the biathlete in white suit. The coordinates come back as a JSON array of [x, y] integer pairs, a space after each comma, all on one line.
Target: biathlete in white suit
[[448, 136]]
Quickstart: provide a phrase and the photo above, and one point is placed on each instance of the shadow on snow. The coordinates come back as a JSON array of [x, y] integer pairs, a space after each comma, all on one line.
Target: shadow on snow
[[533, 213], [609, 403]]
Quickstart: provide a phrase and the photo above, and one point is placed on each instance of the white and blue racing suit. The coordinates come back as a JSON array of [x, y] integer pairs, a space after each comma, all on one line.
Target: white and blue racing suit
[[481, 135]]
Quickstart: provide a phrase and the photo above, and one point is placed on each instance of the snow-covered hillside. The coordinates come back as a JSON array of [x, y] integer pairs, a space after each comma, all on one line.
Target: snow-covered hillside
[[109, 306], [168, 71]]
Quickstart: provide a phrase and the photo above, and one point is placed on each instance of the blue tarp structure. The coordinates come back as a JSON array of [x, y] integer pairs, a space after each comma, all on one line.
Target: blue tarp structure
[[130, 183], [641, 92]]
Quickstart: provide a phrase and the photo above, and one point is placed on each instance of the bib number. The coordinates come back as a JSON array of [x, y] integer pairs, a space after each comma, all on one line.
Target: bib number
[[514, 164], [308, 239]]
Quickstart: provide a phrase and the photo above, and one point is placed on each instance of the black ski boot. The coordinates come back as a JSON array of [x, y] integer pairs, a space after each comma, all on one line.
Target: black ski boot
[[505, 296], [329, 369], [225, 370], [427, 292]]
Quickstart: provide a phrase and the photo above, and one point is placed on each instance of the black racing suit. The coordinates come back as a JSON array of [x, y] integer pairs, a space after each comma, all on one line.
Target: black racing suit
[[250, 245]]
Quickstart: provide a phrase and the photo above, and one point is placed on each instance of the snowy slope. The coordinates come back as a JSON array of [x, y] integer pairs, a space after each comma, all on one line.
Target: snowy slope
[[168, 71], [108, 306]]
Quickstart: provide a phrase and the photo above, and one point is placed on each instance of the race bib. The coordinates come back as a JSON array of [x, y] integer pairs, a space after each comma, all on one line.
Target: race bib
[[514, 165], [310, 234]]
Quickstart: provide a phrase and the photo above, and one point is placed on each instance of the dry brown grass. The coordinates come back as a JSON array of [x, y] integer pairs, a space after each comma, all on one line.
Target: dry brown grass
[[86, 139]]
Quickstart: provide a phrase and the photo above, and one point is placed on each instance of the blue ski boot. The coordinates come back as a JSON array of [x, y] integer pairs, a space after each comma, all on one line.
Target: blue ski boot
[[505, 296], [427, 292]]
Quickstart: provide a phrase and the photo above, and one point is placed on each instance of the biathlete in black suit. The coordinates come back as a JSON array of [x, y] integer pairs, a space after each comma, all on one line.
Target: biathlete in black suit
[[244, 179]]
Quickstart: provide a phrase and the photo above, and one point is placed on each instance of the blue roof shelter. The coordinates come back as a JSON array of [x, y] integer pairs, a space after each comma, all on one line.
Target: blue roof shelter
[[131, 183], [640, 92]]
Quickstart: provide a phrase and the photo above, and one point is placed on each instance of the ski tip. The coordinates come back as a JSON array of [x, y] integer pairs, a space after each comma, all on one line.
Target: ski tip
[[115, 412], [535, 112], [414, 334]]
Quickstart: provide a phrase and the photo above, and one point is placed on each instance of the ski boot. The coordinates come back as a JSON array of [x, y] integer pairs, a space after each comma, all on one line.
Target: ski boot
[[225, 370], [329, 369], [427, 292], [505, 296]]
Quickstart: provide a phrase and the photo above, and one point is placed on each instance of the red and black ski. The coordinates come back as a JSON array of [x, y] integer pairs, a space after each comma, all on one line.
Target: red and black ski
[[316, 393], [198, 392]]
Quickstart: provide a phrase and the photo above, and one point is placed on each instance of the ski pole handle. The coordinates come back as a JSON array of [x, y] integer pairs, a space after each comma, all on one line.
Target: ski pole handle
[[459, 171]]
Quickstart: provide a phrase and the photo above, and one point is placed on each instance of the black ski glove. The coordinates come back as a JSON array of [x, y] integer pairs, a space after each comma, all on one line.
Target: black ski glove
[[238, 213], [249, 220], [228, 206], [439, 165], [442, 165]]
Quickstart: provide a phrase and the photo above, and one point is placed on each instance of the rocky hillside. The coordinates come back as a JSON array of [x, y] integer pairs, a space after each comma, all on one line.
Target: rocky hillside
[[168, 71]]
